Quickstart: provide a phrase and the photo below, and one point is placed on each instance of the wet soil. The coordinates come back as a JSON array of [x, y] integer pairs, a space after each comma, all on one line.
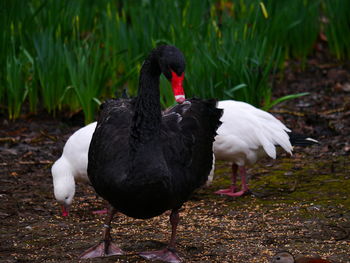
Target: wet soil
[[299, 203]]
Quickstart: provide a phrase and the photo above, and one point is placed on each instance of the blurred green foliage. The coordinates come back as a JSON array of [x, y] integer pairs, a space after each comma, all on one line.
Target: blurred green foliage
[[73, 54]]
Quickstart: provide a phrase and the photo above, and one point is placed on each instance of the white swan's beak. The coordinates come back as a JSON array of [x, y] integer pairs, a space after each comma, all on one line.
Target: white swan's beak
[[65, 210]]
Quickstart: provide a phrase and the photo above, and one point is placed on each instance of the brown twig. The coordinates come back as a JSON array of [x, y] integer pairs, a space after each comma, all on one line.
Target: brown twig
[[327, 112], [8, 139], [53, 138], [282, 111], [28, 163]]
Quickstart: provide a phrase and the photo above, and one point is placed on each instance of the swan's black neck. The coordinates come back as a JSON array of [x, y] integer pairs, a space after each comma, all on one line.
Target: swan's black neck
[[147, 112]]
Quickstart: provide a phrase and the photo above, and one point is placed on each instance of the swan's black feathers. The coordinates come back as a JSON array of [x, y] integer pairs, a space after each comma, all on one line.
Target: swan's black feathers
[[115, 107], [192, 146], [297, 139], [171, 120], [178, 108], [164, 172], [113, 111]]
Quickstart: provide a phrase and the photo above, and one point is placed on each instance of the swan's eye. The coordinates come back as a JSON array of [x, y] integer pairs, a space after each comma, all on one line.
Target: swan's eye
[[66, 197]]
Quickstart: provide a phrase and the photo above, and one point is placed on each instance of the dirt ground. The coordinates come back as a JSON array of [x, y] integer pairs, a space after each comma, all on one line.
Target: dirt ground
[[299, 203]]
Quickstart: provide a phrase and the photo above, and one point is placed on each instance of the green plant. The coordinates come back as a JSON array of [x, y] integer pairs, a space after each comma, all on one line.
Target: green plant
[[337, 28], [292, 25], [87, 75], [269, 104], [31, 86], [51, 70], [16, 90]]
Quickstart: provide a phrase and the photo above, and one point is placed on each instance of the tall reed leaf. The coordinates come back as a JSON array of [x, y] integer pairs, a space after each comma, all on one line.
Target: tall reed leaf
[[269, 104], [51, 70], [338, 27], [87, 76], [31, 86], [16, 90]]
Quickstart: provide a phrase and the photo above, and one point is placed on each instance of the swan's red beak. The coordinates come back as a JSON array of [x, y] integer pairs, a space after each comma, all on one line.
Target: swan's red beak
[[177, 85], [64, 211]]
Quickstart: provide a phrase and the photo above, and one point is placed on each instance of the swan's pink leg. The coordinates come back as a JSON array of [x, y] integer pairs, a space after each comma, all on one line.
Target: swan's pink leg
[[103, 211], [167, 254], [106, 247], [232, 190]]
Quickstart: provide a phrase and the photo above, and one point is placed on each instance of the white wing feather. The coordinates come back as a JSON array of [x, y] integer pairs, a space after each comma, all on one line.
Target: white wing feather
[[246, 132]]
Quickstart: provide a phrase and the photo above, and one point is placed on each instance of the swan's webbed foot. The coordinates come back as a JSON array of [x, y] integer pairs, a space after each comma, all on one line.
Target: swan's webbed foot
[[106, 247], [231, 193], [103, 249], [165, 255], [100, 212]]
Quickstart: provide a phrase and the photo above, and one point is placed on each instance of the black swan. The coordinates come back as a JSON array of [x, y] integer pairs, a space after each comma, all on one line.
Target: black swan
[[144, 162]]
